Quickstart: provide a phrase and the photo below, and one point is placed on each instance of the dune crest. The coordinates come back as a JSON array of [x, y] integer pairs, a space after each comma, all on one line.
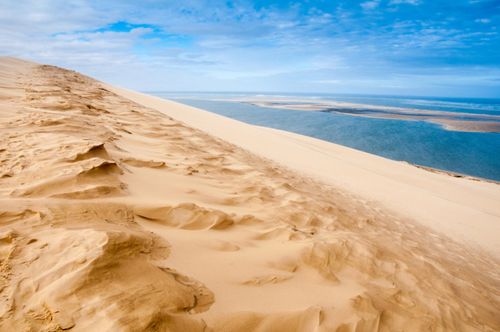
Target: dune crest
[[116, 217]]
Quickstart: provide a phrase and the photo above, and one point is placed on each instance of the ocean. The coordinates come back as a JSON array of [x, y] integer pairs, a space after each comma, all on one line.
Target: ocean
[[416, 142]]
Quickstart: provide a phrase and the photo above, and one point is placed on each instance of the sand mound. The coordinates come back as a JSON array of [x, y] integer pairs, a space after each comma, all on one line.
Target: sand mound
[[114, 217], [91, 150], [91, 178], [187, 216], [88, 277], [144, 163]]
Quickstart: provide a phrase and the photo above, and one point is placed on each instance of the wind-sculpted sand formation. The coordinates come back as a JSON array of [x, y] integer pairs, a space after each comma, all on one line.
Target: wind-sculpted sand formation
[[116, 217]]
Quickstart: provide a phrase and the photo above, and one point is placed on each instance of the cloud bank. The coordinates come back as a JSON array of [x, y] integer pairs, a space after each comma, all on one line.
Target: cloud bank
[[410, 47]]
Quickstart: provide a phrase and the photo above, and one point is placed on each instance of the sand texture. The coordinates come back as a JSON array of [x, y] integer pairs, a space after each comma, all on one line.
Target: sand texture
[[117, 217]]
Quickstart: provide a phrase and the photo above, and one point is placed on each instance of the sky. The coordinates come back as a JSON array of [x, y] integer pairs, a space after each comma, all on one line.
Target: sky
[[392, 47]]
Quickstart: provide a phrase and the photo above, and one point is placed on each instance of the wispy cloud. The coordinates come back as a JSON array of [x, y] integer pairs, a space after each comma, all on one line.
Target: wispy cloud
[[409, 2], [482, 20], [327, 81], [272, 45], [369, 5]]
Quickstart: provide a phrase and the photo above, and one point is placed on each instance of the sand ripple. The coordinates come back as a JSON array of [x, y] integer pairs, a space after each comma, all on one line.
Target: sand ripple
[[114, 217]]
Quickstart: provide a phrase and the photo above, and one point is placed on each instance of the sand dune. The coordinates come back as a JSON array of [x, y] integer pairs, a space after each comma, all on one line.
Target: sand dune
[[463, 208], [117, 217]]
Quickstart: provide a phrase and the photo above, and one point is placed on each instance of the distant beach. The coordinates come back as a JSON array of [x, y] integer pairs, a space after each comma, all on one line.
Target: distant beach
[[458, 121], [454, 135]]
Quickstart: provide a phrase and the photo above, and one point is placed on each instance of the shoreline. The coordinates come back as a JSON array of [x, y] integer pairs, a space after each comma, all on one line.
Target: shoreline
[[441, 193], [453, 174], [448, 120], [422, 166]]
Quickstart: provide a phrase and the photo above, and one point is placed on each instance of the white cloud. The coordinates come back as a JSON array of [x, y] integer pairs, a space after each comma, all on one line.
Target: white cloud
[[409, 2], [370, 5], [483, 20], [327, 81], [193, 46]]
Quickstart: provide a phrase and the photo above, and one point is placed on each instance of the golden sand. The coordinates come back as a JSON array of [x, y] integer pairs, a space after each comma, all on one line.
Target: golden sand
[[115, 216]]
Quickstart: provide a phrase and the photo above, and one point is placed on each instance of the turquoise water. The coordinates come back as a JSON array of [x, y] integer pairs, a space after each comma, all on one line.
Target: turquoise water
[[422, 143]]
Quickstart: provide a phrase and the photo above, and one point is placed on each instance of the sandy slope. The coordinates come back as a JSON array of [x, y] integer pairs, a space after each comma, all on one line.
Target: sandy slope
[[465, 209], [116, 217]]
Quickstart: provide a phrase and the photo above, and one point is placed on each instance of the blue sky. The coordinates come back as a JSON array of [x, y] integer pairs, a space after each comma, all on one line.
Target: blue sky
[[400, 47]]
